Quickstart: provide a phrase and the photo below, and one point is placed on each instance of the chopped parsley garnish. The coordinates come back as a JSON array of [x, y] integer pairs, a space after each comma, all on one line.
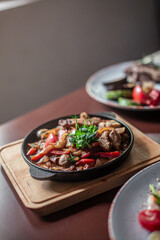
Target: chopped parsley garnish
[[155, 193], [84, 136], [72, 158]]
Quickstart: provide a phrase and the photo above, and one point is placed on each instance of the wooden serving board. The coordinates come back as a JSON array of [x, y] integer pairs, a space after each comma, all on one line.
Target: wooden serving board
[[45, 197]]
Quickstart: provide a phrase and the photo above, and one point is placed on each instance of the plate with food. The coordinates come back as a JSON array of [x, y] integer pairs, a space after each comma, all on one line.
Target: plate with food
[[132, 85], [77, 147], [135, 211]]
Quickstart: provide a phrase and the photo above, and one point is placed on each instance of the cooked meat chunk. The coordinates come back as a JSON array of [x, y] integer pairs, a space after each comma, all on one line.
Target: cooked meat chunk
[[112, 123], [104, 142], [45, 159], [54, 159], [95, 121], [84, 115], [37, 145], [124, 145], [41, 131], [64, 160], [148, 71], [77, 153], [124, 137], [72, 122], [120, 130], [100, 161], [66, 122], [115, 139], [79, 168], [141, 77], [71, 168], [46, 165], [101, 124]]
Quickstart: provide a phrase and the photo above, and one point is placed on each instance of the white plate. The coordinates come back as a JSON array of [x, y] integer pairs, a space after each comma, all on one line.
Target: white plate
[[96, 89], [130, 200]]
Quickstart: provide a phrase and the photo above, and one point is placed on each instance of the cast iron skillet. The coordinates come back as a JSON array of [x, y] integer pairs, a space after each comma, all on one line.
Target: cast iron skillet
[[47, 174]]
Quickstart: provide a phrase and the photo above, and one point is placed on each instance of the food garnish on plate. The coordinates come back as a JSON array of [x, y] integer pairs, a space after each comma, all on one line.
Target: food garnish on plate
[[79, 143], [149, 218], [138, 88]]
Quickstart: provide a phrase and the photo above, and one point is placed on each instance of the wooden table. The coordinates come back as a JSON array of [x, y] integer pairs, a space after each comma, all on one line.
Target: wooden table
[[86, 220]]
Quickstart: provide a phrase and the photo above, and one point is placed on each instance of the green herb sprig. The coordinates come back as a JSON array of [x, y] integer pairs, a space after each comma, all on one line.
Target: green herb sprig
[[84, 136], [155, 194], [72, 158]]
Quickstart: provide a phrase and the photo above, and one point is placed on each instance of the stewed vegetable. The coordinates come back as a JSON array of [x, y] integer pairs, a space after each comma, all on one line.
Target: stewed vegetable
[[78, 143]]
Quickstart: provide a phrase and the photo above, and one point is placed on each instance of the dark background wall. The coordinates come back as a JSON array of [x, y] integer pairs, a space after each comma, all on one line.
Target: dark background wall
[[51, 47]]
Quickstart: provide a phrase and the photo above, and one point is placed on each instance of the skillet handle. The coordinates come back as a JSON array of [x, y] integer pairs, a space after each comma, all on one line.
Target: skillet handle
[[107, 114], [41, 174]]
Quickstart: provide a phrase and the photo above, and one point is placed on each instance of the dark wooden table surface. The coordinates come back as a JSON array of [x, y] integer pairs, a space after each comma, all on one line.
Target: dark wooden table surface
[[86, 220]]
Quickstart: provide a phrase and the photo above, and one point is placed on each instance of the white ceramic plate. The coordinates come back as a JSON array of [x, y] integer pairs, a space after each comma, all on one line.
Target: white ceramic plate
[[96, 89], [130, 200]]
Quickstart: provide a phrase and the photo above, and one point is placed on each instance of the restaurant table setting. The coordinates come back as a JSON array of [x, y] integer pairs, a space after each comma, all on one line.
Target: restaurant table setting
[[78, 209]]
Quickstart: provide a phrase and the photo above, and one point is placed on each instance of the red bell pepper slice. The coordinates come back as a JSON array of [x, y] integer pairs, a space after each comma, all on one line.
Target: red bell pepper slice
[[52, 138], [37, 156], [85, 161], [85, 154], [60, 152], [65, 151], [31, 151], [43, 152], [107, 154]]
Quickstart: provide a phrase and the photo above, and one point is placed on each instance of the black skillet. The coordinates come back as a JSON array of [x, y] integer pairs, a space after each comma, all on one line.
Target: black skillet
[[47, 174]]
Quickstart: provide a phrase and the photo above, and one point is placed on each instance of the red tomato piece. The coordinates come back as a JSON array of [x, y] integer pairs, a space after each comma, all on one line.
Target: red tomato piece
[[150, 219], [51, 139], [138, 95], [154, 96]]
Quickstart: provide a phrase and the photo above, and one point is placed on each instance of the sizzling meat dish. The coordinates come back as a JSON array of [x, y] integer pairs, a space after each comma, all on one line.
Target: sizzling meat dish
[[78, 143]]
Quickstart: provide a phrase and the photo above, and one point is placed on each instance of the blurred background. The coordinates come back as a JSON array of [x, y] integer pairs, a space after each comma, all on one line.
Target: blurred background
[[49, 48]]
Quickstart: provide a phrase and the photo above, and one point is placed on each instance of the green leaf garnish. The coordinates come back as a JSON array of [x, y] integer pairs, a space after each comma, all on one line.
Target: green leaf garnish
[[155, 194], [76, 125], [84, 136], [72, 158]]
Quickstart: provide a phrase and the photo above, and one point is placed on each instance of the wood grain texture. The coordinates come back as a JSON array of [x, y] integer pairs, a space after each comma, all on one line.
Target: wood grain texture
[[45, 197]]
